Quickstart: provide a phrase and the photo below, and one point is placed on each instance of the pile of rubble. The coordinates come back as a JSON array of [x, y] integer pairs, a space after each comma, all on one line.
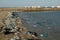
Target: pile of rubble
[[13, 25]]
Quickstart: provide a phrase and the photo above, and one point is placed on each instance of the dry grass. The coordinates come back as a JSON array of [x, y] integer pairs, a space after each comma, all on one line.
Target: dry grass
[[5, 37], [3, 14]]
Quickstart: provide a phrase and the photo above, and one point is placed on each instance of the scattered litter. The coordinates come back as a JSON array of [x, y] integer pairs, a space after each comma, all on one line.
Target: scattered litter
[[29, 32], [34, 33], [41, 35], [34, 25], [14, 26], [44, 35]]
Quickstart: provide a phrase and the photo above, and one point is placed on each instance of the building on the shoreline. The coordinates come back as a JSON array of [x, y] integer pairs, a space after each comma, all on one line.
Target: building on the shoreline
[[38, 6], [42, 7], [32, 6], [46, 6], [52, 6], [25, 6], [58, 6]]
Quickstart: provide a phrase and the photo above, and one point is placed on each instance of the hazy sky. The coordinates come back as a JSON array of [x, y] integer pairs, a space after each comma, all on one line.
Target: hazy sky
[[20, 3]]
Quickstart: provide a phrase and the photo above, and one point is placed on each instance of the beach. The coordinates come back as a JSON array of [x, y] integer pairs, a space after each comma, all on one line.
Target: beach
[[4, 14]]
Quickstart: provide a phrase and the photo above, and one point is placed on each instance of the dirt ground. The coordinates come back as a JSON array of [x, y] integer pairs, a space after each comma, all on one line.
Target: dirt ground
[[3, 14]]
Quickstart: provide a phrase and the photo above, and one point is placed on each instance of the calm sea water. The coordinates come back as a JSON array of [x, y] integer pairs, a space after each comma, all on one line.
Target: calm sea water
[[43, 22]]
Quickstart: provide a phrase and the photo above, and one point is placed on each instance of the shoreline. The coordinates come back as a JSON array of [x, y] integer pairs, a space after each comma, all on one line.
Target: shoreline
[[29, 9]]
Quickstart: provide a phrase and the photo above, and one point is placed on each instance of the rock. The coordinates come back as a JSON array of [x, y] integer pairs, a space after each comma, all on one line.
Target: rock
[[44, 35], [34, 33], [29, 32], [17, 36], [12, 39]]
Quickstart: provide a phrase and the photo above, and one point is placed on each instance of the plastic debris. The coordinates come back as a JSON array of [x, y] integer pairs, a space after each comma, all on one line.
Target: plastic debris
[[34, 33], [12, 39], [34, 25], [29, 32], [44, 35], [14, 26]]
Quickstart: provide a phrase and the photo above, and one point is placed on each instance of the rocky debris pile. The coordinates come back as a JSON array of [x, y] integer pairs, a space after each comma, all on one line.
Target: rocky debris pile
[[14, 25]]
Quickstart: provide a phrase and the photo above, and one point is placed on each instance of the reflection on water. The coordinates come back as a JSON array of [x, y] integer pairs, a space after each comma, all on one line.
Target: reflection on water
[[43, 22]]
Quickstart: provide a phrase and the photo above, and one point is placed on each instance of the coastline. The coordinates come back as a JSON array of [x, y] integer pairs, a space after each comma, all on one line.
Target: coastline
[[4, 13], [29, 9]]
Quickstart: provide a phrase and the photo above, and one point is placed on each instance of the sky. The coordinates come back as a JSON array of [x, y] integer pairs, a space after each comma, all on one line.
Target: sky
[[22, 3]]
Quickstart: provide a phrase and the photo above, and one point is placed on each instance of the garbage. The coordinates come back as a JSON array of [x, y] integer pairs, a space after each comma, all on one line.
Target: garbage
[[14, 14], [12, 39], [44, 35], [6, 30], [14, 30], [34, 25], [41, 35], [11, 16], [28, 32], [14, 26], [17, 36], [34, 33], [1, 28]]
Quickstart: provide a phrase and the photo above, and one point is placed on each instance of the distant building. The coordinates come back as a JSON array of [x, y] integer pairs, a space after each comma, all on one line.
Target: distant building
[[25, 6], [58, 6], [46, 6], [52, 6], [29, 6], [34, 6], [38, 6]]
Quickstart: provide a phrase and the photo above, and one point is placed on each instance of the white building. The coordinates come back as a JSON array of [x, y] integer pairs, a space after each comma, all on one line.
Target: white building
[[28, 6], [46, 6], [34, 6], [38, 6], [53, 6], [58, 6], [25, 6]]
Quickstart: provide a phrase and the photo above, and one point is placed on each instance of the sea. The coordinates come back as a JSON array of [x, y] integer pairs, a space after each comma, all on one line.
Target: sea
[[43, 22]]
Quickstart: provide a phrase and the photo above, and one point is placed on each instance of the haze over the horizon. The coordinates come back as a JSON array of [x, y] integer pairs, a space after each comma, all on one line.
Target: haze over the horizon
[[22, 3]]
